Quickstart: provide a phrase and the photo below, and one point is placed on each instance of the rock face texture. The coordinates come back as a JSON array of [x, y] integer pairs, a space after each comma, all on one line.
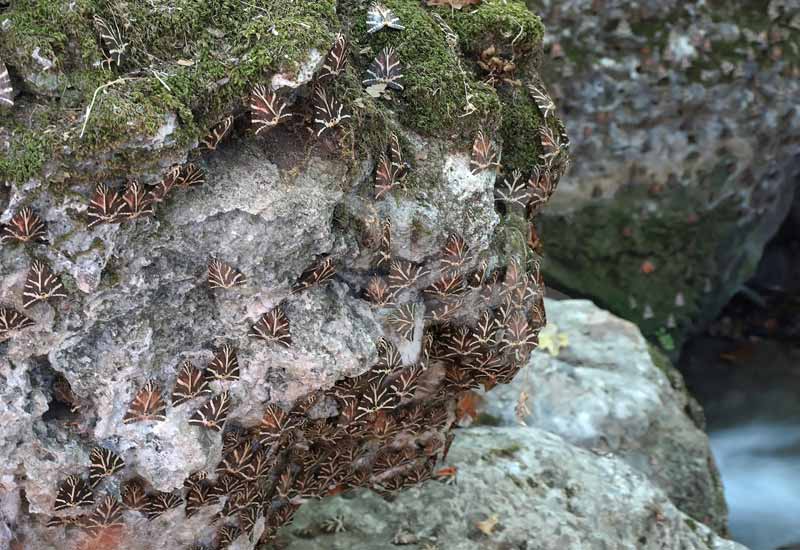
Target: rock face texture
[[516, 488], [244, 264], [684, 117], [607, 391]]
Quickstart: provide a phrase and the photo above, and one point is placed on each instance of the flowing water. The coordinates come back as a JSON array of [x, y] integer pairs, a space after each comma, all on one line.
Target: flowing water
[[760, 467], [752, 403]]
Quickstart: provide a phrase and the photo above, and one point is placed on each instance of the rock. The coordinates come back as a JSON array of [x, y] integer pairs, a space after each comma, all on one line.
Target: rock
[[293, 210], [516, 488], [683, 166], [608, 391]]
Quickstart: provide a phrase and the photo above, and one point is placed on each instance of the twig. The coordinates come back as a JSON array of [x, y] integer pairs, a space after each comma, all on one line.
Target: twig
[[94, 98]]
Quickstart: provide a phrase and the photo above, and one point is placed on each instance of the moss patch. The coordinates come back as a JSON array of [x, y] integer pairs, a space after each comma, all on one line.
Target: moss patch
[[604, 256], [194, 58]]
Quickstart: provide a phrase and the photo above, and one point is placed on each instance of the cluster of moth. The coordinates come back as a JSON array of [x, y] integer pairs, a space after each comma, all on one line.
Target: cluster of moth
[[473, 321]]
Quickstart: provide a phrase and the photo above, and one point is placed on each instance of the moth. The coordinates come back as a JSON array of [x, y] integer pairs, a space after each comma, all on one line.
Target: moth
[[388, 355], [460, 345], [147, 404], [25, 226], [543, 100], [266, 109], [555, 146], [221, 275], [6, 90], [114, 44], [380, 17], [198, 496], [385, 246], [376, 398], [73, 492], [248, 517], [104, 463], [275, 424], [160, 502], [378, 292], [105, 206], [458, 379], [403, 320], [404, 274], [518, 335], [486, 329], [237, 461], [484, 155], [168, 181], [273, 326], [405, 385], [391, 170], [133, 494], [450, 283], [217, 133], [541, 187], [385, 71], [190, 175], [227, 534], [12, 320], [41, 284], [443, 312], [329, 113], [213, 414], [316, 274], [514, 191], [136, 202], [455, 252], [106, 517], [336, 61], [225, 365], [191, 382]]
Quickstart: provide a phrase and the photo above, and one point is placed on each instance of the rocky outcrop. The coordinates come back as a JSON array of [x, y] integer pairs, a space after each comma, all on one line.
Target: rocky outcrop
[[153, 399], [684, 118], [515, 488], [600, 386]]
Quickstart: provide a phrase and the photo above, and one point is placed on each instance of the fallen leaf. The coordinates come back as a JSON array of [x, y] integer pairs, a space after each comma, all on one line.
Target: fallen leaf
[[467, 406], [487, 526], [552, 340], [647, 267]]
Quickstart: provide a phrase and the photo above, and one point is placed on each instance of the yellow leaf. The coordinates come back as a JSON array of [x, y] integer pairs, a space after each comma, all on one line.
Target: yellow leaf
[[487, 526], [552, 340]]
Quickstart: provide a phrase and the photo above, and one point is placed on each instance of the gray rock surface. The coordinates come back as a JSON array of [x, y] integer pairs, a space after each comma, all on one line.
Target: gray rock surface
[[606, 391], [685, 120], [139, 305], [516, 488]]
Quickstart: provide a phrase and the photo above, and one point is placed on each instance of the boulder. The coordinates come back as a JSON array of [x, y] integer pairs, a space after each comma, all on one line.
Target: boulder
[[684, 118], [515, 488], [196, 330], [596, 382]]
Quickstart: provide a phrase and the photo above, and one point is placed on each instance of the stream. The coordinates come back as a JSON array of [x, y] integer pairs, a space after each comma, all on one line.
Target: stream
[[751, 395]]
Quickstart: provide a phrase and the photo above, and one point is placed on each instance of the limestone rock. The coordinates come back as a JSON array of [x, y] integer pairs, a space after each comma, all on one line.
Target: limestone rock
[[606, 391], [516, 488]]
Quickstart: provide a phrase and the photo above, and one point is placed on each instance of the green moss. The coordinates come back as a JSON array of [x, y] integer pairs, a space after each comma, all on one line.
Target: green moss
[[504, 23], [438, 90], [195, 58], [520, 131], [28, 153]]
